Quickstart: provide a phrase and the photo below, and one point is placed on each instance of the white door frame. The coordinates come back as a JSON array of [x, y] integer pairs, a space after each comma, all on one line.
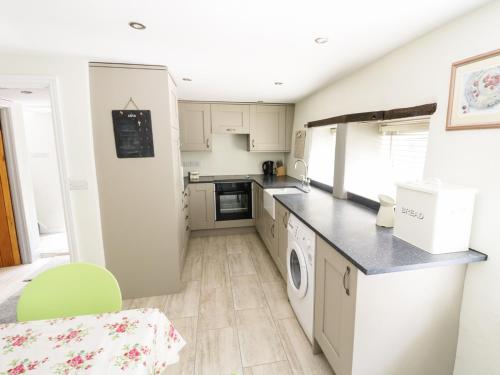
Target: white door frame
[[26, 82]]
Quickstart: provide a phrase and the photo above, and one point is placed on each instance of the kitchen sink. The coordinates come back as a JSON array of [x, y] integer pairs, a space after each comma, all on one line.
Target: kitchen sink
[[269, 199]]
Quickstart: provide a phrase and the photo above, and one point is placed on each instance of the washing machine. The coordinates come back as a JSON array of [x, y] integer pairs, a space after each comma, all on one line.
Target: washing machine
[[300, 273]]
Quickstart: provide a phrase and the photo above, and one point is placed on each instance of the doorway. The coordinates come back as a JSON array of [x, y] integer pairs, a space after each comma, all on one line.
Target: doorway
[[35, 164]]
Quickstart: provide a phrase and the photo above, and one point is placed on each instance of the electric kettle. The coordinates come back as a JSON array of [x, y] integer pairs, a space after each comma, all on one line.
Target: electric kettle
[[267, 167]]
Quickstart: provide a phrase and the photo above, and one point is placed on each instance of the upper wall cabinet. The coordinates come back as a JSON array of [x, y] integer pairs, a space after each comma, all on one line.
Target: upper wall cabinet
[[230, 118], [195, 127], [290, 111], [267, 128]]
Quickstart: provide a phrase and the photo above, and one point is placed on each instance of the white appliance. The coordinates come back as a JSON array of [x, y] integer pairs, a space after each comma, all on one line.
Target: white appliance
[[433, 216], [300, 273], [269, 205]]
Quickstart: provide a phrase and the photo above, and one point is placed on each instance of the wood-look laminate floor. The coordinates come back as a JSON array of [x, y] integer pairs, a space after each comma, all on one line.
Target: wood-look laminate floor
[[234, 313]]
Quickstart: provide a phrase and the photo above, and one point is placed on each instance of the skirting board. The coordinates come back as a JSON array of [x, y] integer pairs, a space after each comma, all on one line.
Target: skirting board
[[221, 231], [235, 223]]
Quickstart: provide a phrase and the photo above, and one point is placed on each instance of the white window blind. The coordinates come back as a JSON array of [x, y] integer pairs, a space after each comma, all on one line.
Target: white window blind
[[379, 156], [322, 154]]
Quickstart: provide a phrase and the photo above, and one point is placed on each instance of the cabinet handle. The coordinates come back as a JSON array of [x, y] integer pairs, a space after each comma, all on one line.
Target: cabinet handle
[[187, 228], [285, 219], [272, 230], [345, 281], [208, 143], [253, 143], [185, 206], [230, 129], [187, 217]]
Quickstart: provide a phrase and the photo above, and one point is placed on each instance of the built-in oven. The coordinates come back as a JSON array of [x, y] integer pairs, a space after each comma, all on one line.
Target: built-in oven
[[233, 201]]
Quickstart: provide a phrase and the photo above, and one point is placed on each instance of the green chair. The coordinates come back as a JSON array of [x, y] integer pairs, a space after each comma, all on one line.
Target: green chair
[[69, 290]]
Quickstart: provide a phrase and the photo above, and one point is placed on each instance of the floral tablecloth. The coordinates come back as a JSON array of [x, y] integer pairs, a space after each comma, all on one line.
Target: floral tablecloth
[[127, 342]]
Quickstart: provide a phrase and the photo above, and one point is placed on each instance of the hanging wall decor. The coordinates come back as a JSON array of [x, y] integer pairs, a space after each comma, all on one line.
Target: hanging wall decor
[[133, 133], [474, 99]]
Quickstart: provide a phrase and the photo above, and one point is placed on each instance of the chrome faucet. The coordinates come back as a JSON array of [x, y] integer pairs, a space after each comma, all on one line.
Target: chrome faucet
[[305, 180]]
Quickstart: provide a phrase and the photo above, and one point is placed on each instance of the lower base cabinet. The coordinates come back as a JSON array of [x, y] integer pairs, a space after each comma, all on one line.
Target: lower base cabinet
[[386, 324], [184, 227], [270, 238], [258, 199], [201, 206], [281, 229], [335, 306], [274, 233]]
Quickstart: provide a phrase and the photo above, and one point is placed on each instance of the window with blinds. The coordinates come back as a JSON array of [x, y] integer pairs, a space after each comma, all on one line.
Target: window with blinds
[[322, 154], [380, 155]]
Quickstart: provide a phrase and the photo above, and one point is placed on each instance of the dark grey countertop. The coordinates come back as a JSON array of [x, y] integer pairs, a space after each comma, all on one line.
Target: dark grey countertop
[[350, 228], [266, 182]]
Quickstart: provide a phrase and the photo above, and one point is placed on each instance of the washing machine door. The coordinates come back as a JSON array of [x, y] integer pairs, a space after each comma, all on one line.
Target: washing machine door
[[297, 270]]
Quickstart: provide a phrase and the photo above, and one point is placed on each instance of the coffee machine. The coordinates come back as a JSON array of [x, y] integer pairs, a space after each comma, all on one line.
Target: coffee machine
[[267, 167]]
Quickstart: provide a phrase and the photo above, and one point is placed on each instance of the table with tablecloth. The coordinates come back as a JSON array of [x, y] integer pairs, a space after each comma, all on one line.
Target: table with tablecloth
[[141, 341]]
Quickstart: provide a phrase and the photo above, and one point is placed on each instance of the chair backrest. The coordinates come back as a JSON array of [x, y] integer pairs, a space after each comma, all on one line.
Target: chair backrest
[[69, 290]]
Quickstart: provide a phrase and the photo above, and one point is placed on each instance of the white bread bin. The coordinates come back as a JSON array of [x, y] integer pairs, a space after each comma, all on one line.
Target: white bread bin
[[433, 216]]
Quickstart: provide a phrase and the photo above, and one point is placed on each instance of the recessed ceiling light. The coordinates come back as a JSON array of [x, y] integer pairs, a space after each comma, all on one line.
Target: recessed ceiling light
[[136, 25], [278, 83], [187, 79], [321, 40], [26, 92]]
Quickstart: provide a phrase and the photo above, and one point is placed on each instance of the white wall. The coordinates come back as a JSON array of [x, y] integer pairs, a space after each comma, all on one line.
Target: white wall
[[73, 84], [229, 156], [44, 169], [419, 73]]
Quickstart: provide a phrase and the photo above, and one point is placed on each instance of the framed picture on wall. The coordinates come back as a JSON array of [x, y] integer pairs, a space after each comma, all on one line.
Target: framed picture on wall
[[474, 100]]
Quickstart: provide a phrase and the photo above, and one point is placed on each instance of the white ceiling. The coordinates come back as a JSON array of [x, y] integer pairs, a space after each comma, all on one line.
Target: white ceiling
[[232, 49]]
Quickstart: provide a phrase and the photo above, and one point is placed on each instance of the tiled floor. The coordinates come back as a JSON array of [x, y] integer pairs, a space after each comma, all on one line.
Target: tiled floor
[[234, 313]]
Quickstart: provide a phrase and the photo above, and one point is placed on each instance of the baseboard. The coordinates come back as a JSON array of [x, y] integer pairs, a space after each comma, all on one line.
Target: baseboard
[[235, 223], [221, 231]]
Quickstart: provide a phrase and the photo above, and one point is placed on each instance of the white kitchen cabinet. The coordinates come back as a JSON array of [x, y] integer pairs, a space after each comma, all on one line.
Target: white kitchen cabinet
[[386, 324], [230, 118], [195, 127], [335, 306], [258, 196], [270, 235], [139, 197], [178, 178], [267, 128], [201, 206], [282, 216], [290, 112], [185, 219]]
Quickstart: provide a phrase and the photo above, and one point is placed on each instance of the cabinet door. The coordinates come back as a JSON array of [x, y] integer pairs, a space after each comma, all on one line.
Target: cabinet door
[[258, 209], [230, 118], [335, 300], [201, 206], [290, 111], [270, 235], [196, 131], [282, 231], [267, 128]]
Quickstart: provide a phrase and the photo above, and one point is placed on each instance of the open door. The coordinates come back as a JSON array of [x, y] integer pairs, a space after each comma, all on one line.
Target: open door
[[9, 248]]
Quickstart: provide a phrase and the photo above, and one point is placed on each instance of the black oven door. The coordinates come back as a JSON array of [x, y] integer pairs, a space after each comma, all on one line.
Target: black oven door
[[233, 201]]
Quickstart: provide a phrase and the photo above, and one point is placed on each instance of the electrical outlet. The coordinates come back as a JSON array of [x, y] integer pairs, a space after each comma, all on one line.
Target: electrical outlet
[[191, 164]]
